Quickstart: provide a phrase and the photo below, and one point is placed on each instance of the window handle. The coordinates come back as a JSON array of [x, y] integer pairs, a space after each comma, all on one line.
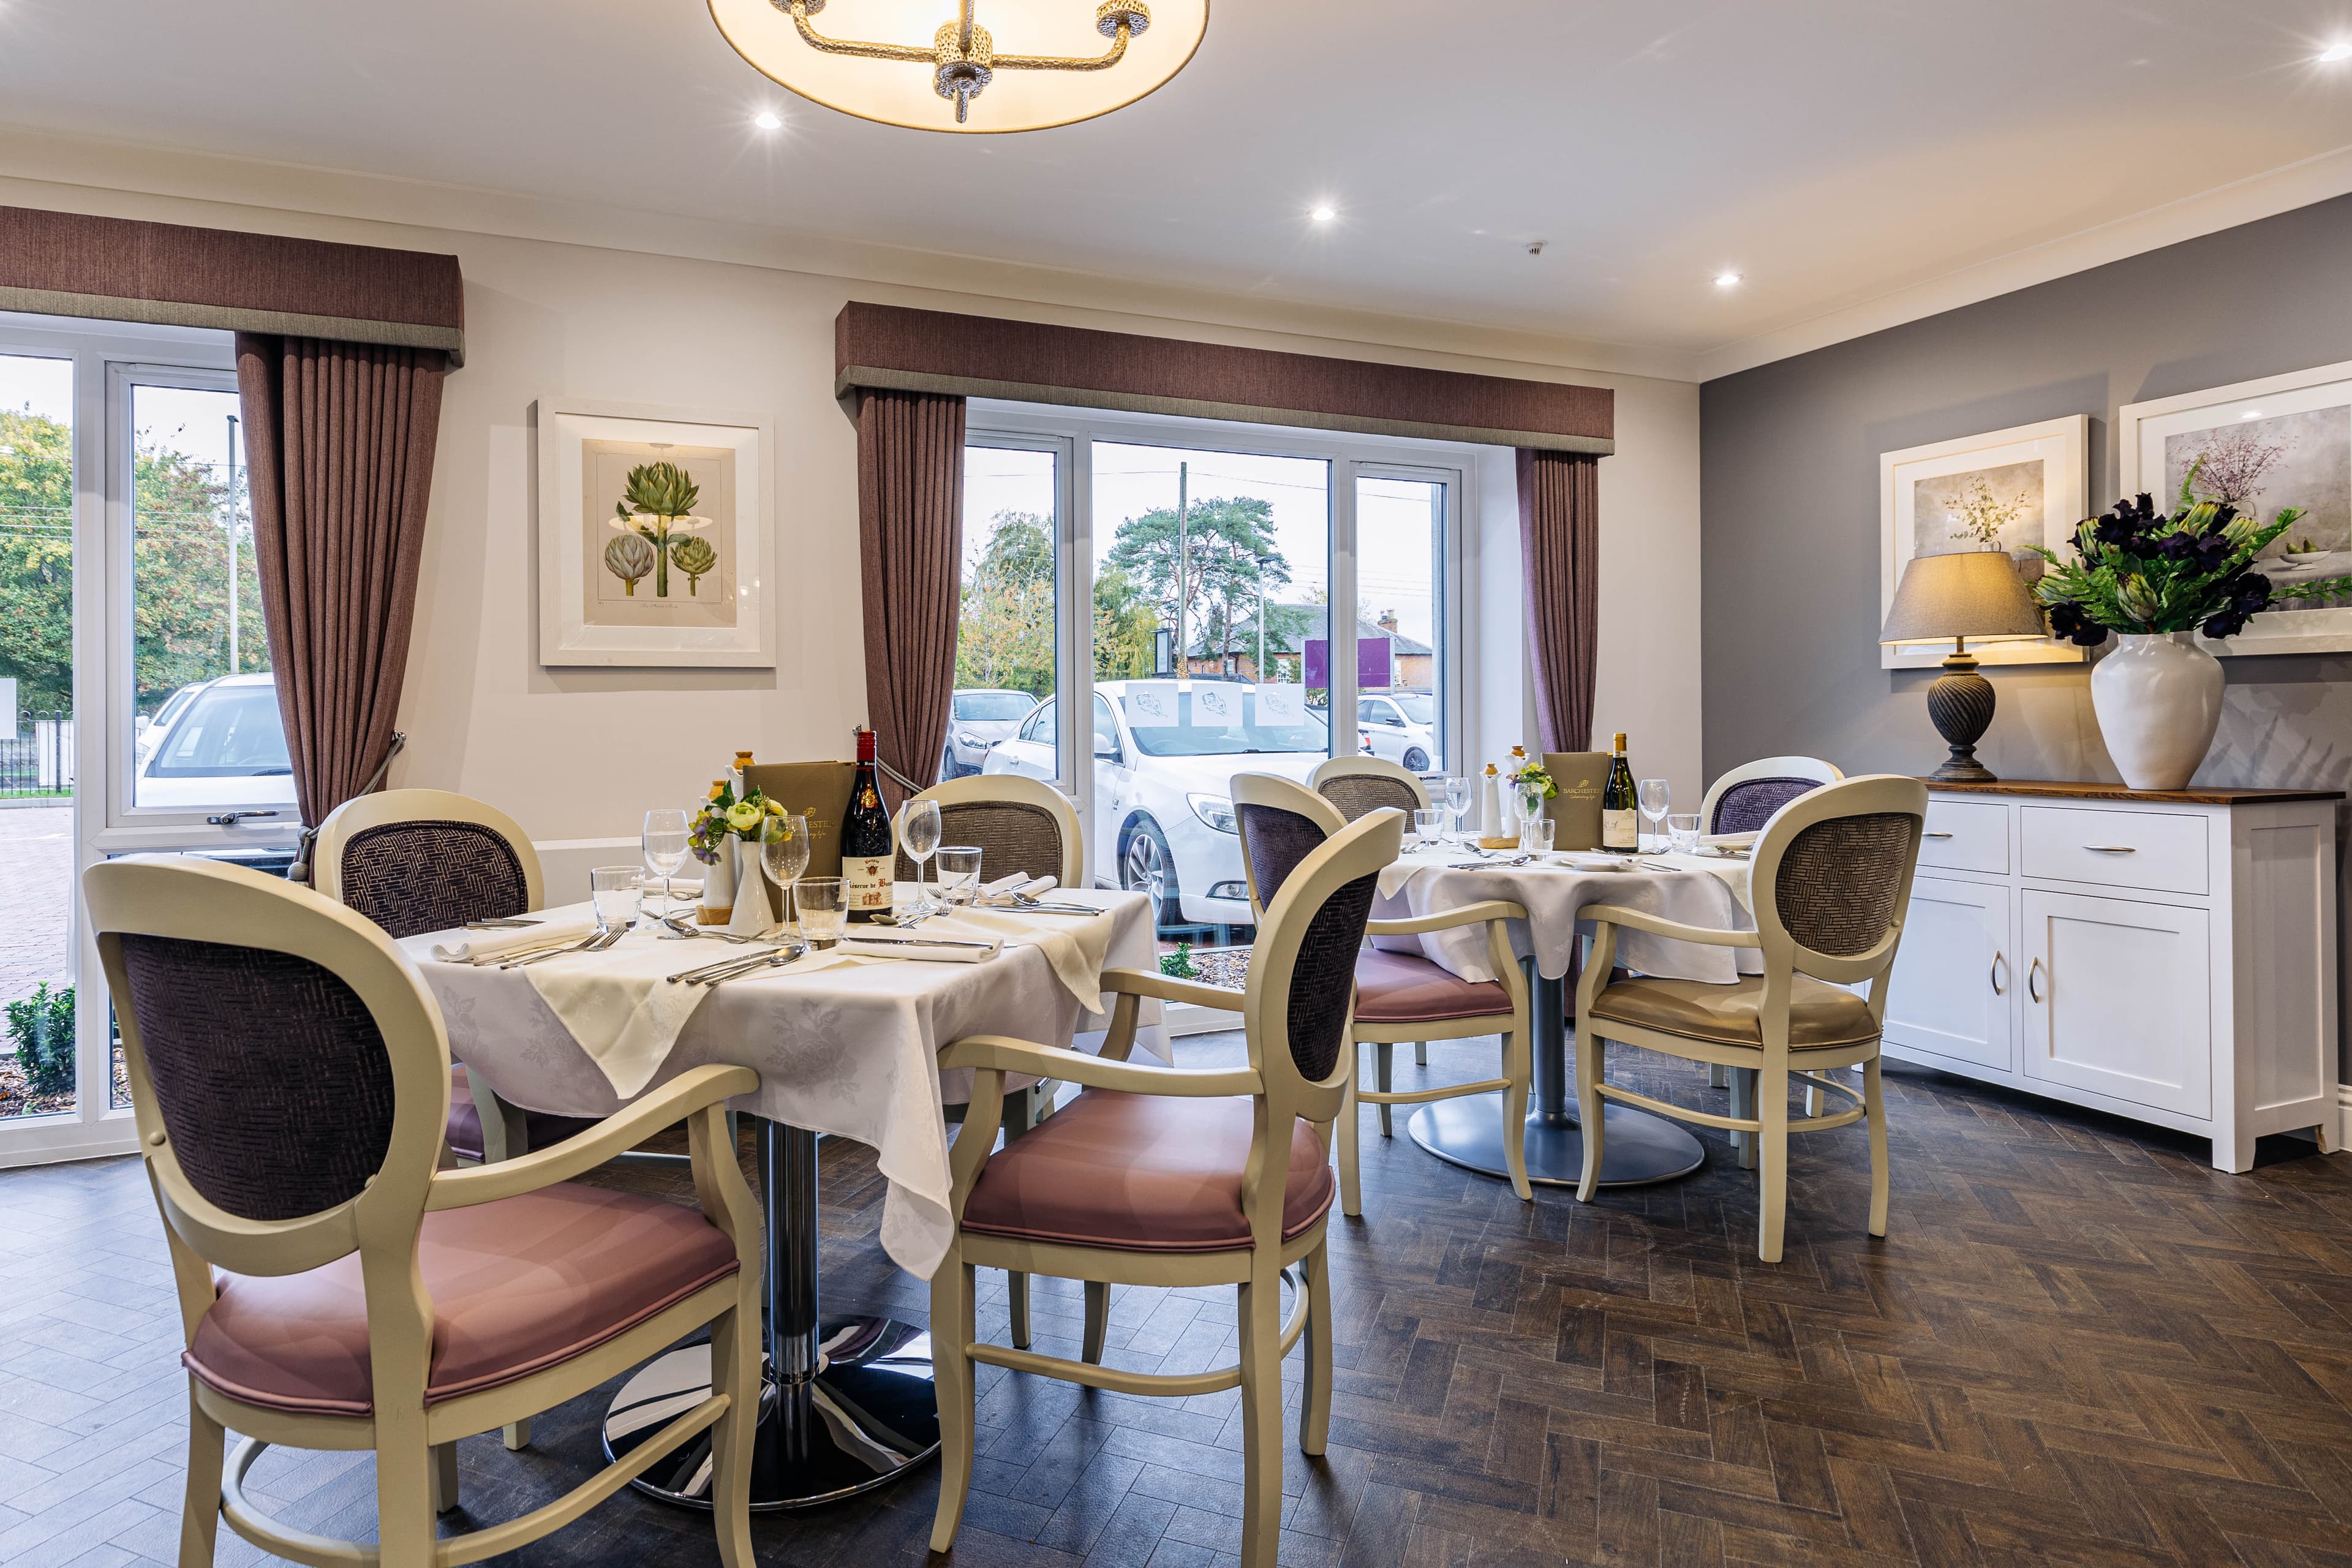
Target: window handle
[[1993, 974], [2111, 848], [2033, 975], [231, 819], [1933, 834]]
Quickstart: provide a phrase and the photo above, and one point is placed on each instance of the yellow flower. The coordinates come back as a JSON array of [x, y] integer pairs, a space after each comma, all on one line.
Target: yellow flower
[[775, 808], [743, 816]]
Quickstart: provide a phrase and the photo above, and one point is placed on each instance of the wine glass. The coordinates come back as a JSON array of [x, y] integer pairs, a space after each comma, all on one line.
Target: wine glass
[[919, 834], [1657, 798], [1457, 800], [664, 844], [785, 851]]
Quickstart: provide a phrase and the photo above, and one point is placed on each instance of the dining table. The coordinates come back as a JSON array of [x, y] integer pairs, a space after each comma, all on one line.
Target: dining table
[[1706, 887], [845, 1046]]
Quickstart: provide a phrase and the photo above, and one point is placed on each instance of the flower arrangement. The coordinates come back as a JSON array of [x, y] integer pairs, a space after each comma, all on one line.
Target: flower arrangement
[[723, 817], [1531, 779], [2138, 570]]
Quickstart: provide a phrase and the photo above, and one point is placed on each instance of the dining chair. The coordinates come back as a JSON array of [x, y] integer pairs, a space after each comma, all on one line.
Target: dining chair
[[1830, 884], [1025, 825], [338, 1289], [1356, 785], [1399, 996], [1162, 1177], [415, 860], [1741, 800]]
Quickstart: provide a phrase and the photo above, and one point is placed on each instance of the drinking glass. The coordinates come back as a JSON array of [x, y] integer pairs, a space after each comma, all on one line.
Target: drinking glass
[[664, 845], [1682, 831], [1427, 825], [1657, 798], [919, 834], [1535, 835], [1458, 795], [824, 912], [959, 872], [618, 893], [785, 851]]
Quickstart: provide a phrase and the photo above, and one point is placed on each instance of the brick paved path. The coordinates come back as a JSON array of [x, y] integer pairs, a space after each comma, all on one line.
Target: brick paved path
[[36, 895]]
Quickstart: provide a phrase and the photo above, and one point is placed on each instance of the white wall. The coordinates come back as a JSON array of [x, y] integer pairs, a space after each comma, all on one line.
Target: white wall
[[576, 754]]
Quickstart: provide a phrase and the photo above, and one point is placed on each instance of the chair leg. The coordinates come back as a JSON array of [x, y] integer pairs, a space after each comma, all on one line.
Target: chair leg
[[1515, 1068], [1384, 1074], [1421, 1053], [516, 1435], [1815, 1098], [444, 1477], [1874, 1109], [1098, 1321], [1261, 1365], [1351, 1196], [735, 1368], [506, 1135], [1315, 1400], [951, 1309], [1743, 1105], [1718, 1076], [404, 1499], [1592, 1057], [1017, 1121], [1772, 1159], [201, 1505]]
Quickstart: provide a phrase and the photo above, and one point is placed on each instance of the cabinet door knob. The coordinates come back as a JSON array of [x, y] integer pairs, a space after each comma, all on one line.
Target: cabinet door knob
[[2111, 848], [1993, 974], [2033, 975]]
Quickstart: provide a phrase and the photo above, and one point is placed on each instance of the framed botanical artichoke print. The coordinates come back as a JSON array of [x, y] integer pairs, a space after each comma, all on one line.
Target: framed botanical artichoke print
[[655, 538]]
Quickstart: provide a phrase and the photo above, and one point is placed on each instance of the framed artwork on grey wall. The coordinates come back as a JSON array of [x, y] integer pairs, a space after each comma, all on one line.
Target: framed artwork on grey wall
[[2005, 489], [2285, 440], [655, 540]]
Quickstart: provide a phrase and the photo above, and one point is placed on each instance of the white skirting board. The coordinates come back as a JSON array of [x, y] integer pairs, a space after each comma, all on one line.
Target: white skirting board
[[2343, 1140]]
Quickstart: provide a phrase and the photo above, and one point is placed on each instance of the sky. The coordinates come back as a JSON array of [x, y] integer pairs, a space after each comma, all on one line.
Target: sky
[[192, 421]]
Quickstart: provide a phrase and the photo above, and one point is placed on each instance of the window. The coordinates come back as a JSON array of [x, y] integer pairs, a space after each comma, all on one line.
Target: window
[[1401, 579], [1009, 634]]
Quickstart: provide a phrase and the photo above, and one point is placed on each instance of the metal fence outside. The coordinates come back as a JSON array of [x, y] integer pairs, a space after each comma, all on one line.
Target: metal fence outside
[[40, 759]]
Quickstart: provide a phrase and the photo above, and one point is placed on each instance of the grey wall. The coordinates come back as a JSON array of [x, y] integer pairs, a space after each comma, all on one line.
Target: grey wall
[[1788, 503]]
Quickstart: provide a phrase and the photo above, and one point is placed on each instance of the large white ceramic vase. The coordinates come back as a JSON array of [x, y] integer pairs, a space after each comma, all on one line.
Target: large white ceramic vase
[[2159, 698]]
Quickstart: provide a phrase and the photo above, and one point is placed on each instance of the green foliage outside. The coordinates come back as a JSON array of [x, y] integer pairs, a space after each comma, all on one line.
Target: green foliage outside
[[1179, 964], [41, 1033], [1228, 556], [179, 570]]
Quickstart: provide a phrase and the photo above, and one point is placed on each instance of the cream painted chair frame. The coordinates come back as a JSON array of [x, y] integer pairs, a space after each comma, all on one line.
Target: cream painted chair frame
[[1761, 768], [1496, 915], [415, 1444], [1775, 1060], [1281, 1093], [1379, 767]]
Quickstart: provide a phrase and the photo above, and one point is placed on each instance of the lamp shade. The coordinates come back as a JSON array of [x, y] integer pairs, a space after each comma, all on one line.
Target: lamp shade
[[1968, 594]]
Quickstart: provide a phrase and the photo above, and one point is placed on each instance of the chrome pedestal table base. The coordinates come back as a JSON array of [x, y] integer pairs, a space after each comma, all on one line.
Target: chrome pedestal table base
[[1639, 1149], [847, 1404]]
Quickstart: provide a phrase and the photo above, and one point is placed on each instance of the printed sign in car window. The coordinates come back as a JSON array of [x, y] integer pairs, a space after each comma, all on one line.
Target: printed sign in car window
[[1218, 705], [1282, 704], [1152, 705]]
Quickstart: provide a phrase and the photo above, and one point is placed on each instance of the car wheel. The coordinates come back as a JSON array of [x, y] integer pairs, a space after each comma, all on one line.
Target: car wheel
[[947, 762], [1146, 865], [1416, 761]]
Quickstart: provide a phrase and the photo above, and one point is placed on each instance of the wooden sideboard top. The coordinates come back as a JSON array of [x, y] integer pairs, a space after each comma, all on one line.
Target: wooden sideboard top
[[2193, 795]]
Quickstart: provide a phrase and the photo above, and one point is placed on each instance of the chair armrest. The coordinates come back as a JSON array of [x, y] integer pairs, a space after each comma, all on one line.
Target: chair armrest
[[673, 1102], [1168, 988], [999, 1053], [1446, 920], [1617, 915]]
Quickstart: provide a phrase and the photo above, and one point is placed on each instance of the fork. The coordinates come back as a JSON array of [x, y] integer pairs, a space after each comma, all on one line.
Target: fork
[[596, 944]]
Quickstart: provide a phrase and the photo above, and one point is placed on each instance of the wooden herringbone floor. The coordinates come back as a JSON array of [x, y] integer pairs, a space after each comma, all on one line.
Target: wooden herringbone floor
[[2077, 1345]]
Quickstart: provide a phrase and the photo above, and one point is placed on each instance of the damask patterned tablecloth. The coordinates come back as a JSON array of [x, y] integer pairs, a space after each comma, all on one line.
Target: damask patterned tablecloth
[[849, 1049]]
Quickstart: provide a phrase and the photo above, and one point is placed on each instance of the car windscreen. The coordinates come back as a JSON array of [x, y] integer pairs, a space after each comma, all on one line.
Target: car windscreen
[[1418, 705], [1208, 739], [991, 706], [230, 731]]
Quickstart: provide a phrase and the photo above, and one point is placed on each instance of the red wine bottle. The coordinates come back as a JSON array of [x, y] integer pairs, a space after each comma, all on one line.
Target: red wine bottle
[[867, 854]]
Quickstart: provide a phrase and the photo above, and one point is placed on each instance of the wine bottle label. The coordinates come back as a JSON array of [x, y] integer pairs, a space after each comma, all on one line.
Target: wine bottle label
[[868, 885], [1619, 830]]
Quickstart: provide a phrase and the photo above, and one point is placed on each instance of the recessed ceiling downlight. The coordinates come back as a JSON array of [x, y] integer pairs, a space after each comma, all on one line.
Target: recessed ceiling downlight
[[1324, 213], [2334, 52], [1727, 279], [768, 120]]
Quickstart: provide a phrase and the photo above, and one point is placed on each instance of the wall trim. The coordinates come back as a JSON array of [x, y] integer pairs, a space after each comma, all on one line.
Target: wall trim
[[2340, 1139]]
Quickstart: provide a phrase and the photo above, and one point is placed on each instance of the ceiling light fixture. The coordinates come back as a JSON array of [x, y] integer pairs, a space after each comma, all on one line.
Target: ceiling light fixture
[[2334, 52], [768, 120], [1727, 279], [965, 79], [1324, 213], [2251, 414]]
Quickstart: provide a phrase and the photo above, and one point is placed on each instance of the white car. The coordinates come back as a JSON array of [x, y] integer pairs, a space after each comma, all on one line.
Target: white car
[[150, 728], [224, 747], [1164, 813], [977, 718], [1401, 726]]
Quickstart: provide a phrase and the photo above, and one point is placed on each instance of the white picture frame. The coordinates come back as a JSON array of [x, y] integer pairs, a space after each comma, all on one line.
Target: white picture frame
[[2048, 463], [734, 455], [2313, 409]]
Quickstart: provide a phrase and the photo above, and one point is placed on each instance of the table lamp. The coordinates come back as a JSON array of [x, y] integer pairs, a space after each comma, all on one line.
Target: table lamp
[[1951, 598]]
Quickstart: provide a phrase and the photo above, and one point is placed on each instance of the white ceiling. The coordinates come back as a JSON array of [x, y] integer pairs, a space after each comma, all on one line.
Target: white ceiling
[[1836, 152]]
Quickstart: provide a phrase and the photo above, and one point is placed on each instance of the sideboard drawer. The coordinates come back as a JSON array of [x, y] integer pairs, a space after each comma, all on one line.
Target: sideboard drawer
[[1967, 835], [2155, 850]]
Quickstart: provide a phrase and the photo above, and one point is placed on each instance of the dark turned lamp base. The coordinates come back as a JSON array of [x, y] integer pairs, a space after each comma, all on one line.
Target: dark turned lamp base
[[1961, 705]]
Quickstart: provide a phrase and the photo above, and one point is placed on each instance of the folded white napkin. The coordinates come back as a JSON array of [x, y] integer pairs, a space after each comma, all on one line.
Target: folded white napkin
[[459, 947], [619, 1005], [923, 945], [1005, 888], [1729, 840], [1076, 945]]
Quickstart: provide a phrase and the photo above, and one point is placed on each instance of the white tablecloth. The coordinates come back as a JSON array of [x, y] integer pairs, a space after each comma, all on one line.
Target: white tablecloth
[[849, 1049], [1696, 893]]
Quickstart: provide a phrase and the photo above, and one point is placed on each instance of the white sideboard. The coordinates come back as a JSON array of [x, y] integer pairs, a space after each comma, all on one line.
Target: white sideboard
[[2169, 956]]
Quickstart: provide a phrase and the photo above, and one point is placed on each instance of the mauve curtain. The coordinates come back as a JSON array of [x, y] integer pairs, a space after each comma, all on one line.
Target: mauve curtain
[[339, 440], [910, 538], [1559, 548]]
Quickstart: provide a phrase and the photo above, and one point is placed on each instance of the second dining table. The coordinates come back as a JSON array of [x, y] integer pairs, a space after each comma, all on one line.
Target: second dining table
[[1705, 889], [844, 1045]]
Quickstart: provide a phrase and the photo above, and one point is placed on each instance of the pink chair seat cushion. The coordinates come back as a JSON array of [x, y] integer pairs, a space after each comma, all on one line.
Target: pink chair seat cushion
[[1141, 1173], [541, 1129], [1405, 988], [518, 1286]]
